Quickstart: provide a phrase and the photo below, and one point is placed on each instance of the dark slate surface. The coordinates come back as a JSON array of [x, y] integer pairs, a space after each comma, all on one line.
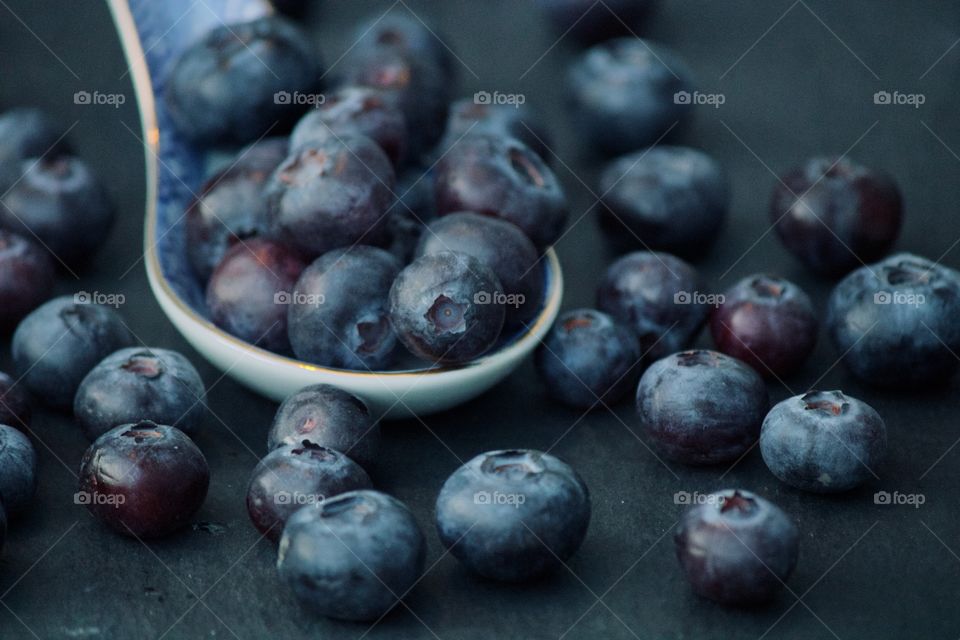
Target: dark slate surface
[[799, 79]]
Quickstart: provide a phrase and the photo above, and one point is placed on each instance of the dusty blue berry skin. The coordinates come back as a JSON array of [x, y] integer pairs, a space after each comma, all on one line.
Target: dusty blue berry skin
[[501, 246], [823, 441], [767, 322], [60, 342], [18, 470], [137, 384], [518, 121], [895, 322], [295, 475], [230, 205], [622, 93], [666, 198], [443, 307], [329, 417], [513, 515], [737, 548], [338, 315], [588, 358], [224, 88], [702, 407], [502, 177], [60, 202], [331, 194], [356, 110], [653, 293], [835, 215], [27, 133], [352, 557]]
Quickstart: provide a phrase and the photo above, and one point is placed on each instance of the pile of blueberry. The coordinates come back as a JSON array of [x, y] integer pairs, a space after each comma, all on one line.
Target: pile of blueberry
[[334, 244], [306, 248]]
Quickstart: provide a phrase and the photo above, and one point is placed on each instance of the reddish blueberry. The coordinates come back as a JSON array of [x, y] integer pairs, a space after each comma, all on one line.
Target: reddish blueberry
[[15, 407], [835, 215], [27, 274], [767, 322], [737, 548], [249, 292], [143, 480], [295, 475]]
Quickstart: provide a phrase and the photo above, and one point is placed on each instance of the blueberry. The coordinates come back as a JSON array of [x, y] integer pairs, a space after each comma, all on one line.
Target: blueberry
[[356, 110], [623, 94], [513, 515], [589, 21], [417, 85], [407, 36], [502, 177], [331, 194], [61, 204], [737, 548], [230, 205], [588, 358], [667, 198], [18, 470], [27, 274], [3, 526], [653, 293], [143, 480], [352, 557], [60, 342], [467, 116], [338, 315], [295, 475], [239, 81], [443, 307], [15, 407], [834, 215], [767, 322], [137, 384], [27, 133], [823, 441], [248, 293], [328, 417], [501, 246], [702, 407], [894, 322]]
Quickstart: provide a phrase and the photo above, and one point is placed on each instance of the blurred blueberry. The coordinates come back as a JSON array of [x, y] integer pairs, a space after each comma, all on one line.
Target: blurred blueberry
[[18, 470]]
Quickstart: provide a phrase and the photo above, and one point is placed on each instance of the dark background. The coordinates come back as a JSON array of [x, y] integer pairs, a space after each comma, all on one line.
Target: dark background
[[805, 88]]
